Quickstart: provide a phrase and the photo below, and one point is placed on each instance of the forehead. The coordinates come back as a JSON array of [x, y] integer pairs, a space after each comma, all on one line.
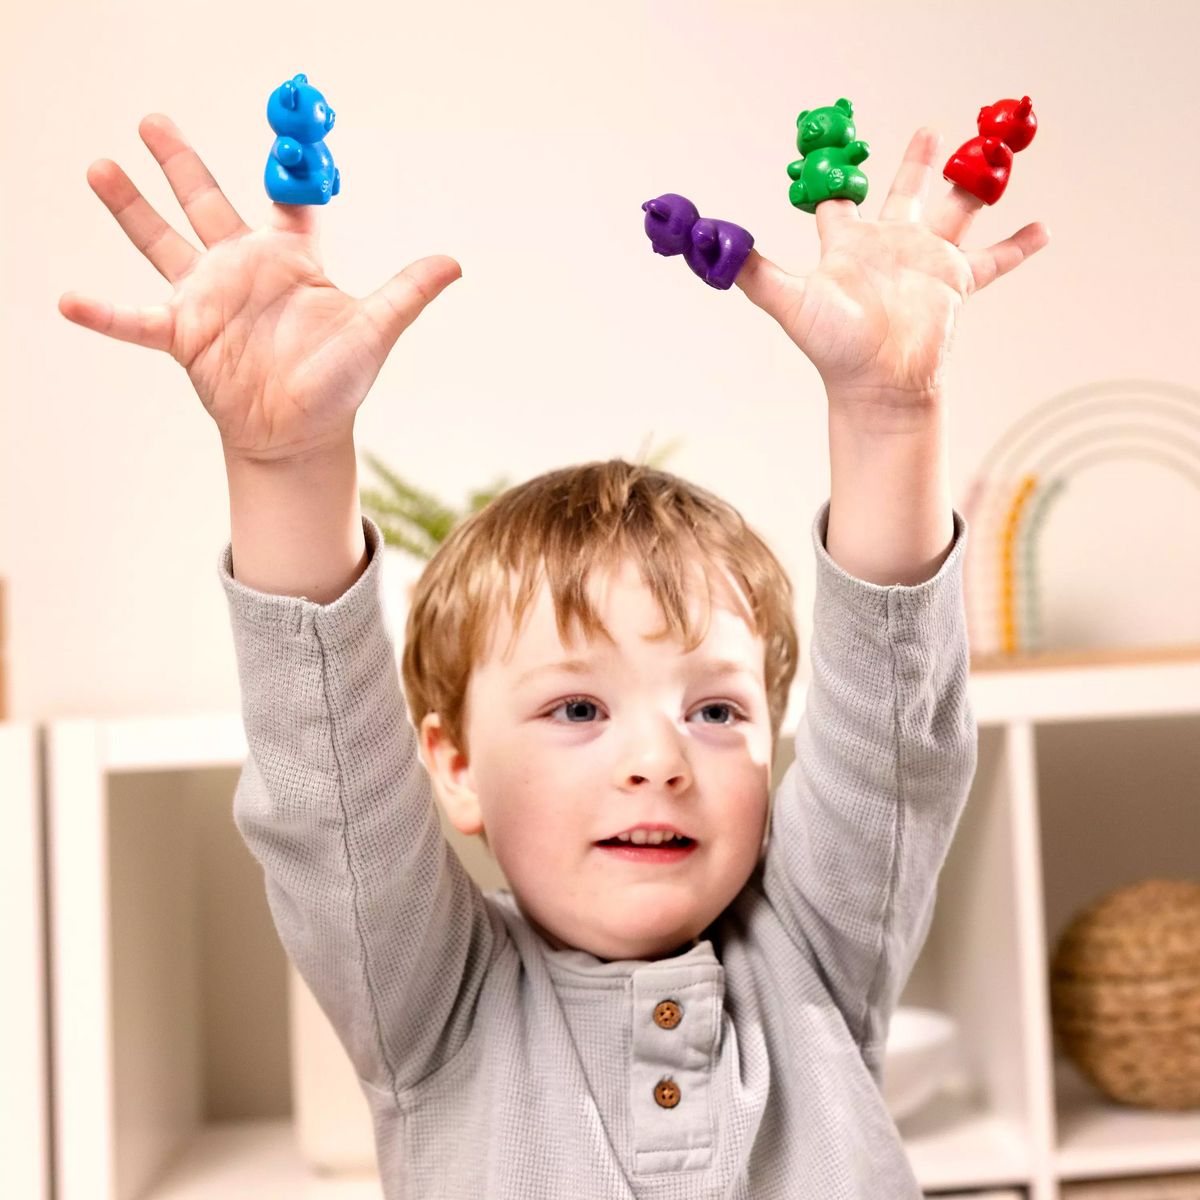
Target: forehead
[[719, 617]]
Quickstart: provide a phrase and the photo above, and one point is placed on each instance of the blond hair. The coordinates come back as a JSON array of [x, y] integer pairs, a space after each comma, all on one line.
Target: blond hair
[[557, 527]]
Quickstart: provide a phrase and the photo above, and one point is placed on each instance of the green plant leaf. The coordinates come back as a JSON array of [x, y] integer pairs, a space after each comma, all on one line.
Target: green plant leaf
[[651, 456], [412, 518]]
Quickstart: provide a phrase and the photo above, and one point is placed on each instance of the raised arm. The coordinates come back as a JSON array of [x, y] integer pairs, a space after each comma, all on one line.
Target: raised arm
[[885, 754], [886, 748], [374, 907], [371, 903], [877, 318]]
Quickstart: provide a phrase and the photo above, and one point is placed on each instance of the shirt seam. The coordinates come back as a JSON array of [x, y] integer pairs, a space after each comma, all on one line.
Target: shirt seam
[[889, 912], [349, 858]]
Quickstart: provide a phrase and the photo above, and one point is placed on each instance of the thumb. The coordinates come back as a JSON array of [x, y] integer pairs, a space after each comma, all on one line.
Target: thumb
[[770, 287], [396, 305]]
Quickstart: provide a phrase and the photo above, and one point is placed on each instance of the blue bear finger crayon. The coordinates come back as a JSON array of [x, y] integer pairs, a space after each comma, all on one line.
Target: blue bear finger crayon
[[300, 169]]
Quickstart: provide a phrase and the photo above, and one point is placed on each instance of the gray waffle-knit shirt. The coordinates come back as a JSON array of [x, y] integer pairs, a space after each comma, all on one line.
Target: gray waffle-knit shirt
[[497, 1068]]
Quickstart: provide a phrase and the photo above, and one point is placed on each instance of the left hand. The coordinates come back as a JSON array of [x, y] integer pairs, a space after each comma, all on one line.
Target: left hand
[[877, 317]]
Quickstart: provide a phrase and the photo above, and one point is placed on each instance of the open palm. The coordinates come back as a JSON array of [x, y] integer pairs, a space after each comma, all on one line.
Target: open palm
[[280, 358], [877, 316]]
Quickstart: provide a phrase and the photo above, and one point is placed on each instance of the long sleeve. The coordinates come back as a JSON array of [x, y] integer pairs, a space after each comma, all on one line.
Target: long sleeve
[[371, 903], [885, 754]]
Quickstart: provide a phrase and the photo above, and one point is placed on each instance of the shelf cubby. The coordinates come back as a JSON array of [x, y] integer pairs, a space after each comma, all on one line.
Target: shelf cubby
[[1119, 803]]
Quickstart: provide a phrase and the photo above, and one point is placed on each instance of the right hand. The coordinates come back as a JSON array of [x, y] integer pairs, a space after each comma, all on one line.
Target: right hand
[[280, 358]]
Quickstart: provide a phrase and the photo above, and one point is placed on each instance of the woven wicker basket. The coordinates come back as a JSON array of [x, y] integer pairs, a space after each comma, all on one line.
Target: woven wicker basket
[[1125, 994]]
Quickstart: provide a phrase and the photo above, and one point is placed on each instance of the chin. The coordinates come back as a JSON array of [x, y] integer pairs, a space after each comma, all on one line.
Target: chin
[[641, 941], [625, 935]]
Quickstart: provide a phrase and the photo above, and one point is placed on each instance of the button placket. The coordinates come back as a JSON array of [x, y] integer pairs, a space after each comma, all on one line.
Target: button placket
[[677, 1012]]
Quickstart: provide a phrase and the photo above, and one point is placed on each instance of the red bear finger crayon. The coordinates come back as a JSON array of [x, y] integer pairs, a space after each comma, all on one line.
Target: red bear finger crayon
[[982, 165]]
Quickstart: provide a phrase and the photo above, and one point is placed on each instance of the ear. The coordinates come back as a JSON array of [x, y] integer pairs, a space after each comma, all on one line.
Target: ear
[[803, 115], [451, 775], [287, 94], [845, 106]]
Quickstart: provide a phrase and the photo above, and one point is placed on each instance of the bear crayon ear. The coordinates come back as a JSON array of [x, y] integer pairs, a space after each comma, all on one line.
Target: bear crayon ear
[[845, 106], [287, 94], [1024, 108], [803, 115], [299, 78]]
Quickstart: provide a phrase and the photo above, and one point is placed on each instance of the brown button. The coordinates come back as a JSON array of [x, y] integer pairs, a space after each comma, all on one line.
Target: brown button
[[666, 1093], [667, 1014]]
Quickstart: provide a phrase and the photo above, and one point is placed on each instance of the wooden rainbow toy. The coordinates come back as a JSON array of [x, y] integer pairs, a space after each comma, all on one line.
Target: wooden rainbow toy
[[1031, 466]]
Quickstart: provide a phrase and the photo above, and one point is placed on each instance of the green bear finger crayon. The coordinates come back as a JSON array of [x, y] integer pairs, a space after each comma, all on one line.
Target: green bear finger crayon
[[827, 168]]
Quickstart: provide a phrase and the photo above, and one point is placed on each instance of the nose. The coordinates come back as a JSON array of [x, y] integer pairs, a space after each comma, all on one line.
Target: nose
[[654, 757]]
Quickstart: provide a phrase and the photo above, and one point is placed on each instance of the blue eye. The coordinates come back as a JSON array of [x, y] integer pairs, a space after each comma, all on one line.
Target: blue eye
[[577, 711], [717, 714]]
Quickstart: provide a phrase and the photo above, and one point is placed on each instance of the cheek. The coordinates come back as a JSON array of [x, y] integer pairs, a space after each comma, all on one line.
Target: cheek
[[739, 782], [538, 796], [751, 786]]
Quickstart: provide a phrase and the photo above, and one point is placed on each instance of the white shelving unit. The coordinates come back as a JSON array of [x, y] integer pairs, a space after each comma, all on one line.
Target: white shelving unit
[[1086, 780], [24, 1115]]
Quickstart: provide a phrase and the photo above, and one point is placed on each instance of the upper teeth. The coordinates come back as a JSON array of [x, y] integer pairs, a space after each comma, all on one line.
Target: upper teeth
[[641, 837]]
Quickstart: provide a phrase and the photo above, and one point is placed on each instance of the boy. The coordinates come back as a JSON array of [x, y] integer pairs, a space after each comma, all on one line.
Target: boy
[[602, 653]]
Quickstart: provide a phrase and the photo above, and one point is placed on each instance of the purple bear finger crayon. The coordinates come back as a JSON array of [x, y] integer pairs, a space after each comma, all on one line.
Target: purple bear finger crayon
[[300, 169], [715, 250]]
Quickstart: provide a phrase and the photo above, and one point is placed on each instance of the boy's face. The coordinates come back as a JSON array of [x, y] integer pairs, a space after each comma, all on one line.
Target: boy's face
[[571, 745]]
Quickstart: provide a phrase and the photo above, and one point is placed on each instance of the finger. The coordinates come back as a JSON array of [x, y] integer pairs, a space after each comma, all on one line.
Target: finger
[[149, 326], [300, 219], [169, 252], [1004, 256], [396, 305], [832, 215], [771, 288], [951, 216], [911, 185], [211, 215]]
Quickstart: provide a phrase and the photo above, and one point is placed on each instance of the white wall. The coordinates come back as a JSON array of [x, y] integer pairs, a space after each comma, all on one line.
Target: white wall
[[522, 138]]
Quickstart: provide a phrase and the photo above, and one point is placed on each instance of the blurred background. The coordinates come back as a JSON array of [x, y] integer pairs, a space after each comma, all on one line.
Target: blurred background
[[522, 139]]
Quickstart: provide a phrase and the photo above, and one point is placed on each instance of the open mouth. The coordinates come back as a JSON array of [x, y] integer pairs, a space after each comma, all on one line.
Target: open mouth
[[671, 850], [675, 842]]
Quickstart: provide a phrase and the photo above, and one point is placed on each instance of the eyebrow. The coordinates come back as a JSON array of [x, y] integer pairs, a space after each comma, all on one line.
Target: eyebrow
[[719, 668], [573, 666]]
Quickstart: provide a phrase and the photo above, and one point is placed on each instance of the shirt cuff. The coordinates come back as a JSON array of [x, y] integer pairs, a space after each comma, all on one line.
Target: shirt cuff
[[340, 622], [874, 599]]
